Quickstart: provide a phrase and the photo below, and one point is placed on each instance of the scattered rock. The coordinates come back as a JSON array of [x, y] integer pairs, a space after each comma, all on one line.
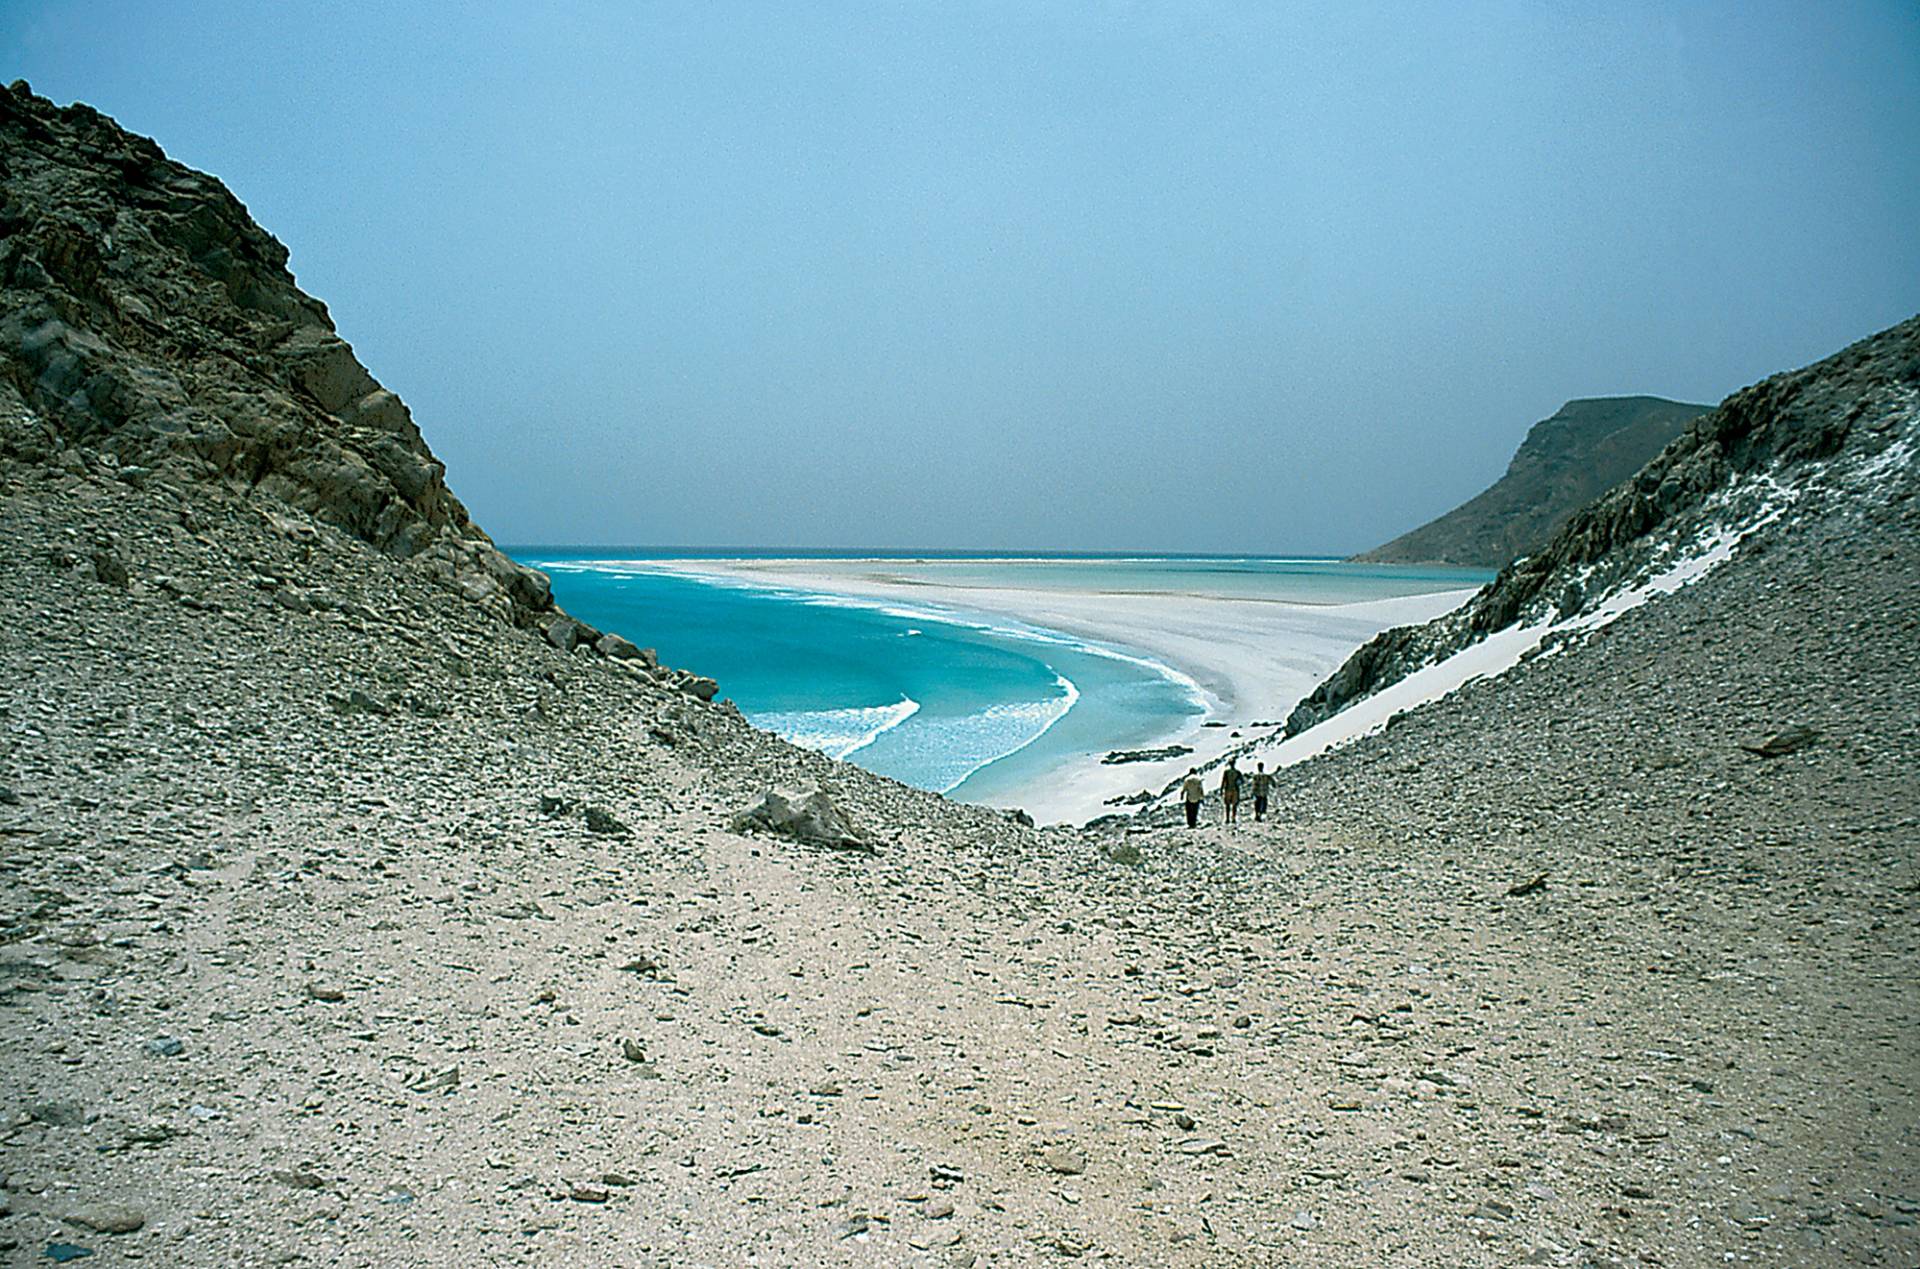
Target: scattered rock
[[165, 1046], [562, 632], [439, 1080], [1524, 888], [1065, 1160], [58, 1114], [111, 570], [805, 815], [1781, 743], [299, 1178], [603, 822], [1119, 757], [107, 1218], [357, 701], [619, 649]]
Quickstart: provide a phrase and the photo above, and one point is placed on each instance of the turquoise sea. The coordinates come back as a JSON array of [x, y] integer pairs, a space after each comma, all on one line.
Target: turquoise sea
[[967, 705]]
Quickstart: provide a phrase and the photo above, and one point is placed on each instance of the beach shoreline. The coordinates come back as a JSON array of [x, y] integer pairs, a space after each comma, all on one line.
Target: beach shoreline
[[1251, 657]]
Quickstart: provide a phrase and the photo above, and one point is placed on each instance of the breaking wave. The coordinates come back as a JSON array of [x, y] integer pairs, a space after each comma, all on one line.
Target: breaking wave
[[943, 752], [838, 732]]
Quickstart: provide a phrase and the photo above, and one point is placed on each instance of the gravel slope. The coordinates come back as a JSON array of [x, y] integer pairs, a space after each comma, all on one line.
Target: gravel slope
[[1332, 1039]]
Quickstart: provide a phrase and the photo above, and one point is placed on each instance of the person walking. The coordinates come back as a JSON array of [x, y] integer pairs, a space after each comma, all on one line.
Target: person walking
[[1192, 793], [1230, 791], [1262, 786]]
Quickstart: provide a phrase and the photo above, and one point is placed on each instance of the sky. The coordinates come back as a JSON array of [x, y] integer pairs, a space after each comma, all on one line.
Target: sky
[[1273, 278]]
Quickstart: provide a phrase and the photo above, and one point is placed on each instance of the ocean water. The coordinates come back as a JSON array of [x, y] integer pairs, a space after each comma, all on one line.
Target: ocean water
[[965, 705]]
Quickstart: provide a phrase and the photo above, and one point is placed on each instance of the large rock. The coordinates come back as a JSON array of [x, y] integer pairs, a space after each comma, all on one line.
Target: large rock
[[805, 815]]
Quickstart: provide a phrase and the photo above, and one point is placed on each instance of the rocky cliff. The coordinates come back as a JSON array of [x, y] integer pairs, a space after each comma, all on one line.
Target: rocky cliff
[[150, 331], [1840, 432], [1566, 461]]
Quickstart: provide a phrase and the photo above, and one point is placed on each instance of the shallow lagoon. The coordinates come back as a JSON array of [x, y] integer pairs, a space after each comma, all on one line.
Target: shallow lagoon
[[934, 696]]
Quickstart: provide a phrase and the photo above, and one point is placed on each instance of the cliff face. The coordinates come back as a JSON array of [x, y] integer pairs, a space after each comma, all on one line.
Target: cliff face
[[1566, 461], [1836, 438], [149, 329]]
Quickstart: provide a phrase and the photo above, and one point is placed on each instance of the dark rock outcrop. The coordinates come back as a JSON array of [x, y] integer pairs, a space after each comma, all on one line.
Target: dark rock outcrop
[[1768, 441], [150, 330], [1566, 461]]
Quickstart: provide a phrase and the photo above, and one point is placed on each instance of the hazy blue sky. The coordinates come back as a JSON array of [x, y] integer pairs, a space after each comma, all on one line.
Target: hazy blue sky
[[1122, 275]]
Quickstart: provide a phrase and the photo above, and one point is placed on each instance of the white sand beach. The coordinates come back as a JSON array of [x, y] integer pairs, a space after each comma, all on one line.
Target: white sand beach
[[1253, 658]]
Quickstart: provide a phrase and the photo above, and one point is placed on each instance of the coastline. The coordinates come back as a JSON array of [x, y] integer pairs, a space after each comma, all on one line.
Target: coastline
[[1250, 658]]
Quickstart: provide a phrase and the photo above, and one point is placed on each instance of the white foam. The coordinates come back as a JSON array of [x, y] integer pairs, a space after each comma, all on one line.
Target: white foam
[[989, 735], [837, 732]]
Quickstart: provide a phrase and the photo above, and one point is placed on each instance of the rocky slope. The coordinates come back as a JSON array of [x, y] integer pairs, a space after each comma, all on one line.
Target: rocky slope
[[149, 327], [1843, 431], [344, 923], [1566, 461]]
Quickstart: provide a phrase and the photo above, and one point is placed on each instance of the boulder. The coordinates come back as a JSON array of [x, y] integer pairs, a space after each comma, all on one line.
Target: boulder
[[599, 821], [562, 633], [619, 649], [107, 1218], [805, 815], [1781, 743], [110, 569]]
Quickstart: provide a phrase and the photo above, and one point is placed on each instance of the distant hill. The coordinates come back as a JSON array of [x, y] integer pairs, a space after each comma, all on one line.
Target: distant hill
[[1567, 461]]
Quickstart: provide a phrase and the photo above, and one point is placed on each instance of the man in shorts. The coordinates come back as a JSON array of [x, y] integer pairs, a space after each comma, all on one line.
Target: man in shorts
[[1230, 791]]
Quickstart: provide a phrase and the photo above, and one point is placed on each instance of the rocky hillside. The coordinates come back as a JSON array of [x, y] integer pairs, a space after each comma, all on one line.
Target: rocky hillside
[[344, 922], [1840, 433], [149, 330], [1566, 461]]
